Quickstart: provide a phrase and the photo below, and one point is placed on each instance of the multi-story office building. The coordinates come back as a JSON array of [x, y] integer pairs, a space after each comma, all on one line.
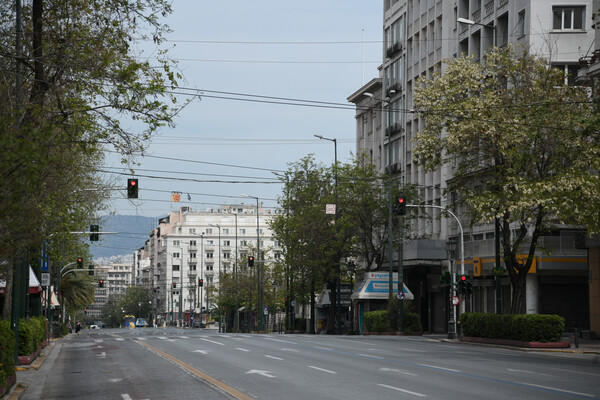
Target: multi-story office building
[[418, 35], [191, 245], [117, 277]]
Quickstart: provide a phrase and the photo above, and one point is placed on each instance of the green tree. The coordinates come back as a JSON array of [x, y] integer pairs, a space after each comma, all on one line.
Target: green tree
[[522, 149], [74, 86]]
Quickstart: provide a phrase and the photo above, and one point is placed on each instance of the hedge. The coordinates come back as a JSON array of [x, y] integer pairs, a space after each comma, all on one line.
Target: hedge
[[525, 327], [377, 321], [31, 334], [7, 346]]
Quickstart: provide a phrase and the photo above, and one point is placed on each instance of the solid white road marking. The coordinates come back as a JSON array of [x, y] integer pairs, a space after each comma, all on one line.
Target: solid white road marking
[[292, 350], [120, 339], [125, 396], [436, 367], [273, 357], [212, 341], [370, 356], [263, 373], [322, 369], [526, 372], [575, 372], [239, 348], [559, 390], [398, 371], [402, 390], [201, 351]]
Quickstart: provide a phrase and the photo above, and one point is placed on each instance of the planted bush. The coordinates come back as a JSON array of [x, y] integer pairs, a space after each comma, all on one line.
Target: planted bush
[[524, 327], [377, 321], [7, 346]]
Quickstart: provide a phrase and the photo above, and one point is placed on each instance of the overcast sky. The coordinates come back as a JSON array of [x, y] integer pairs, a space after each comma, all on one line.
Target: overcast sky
[[303, 50]]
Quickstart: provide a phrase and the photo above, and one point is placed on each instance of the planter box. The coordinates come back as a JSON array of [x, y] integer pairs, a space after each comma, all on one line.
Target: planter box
[[26, 360], [518, 343]]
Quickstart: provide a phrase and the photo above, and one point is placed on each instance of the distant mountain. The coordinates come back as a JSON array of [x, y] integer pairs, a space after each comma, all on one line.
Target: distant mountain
[[132, 233]]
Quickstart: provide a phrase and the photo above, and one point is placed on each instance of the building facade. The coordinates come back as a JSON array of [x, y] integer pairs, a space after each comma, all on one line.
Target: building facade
[[189, 250], [418, 35]]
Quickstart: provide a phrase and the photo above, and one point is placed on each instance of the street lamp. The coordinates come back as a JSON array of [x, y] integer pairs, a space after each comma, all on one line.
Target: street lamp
[[391, 214], [337, 260], [220, 282], [259, 268]]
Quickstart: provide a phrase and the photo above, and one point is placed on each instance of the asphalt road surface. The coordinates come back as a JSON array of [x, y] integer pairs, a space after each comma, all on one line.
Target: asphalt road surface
[[172, 363]]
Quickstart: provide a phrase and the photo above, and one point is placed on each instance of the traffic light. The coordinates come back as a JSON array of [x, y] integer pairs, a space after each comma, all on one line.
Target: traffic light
[[94, 237], [468, 286], [101, 283], [201, 282], [174, 285], [287, 303], [400, 205], [91, 269], [132, 188], [79, 262], [445, 278], [462, 284], [250, 261]]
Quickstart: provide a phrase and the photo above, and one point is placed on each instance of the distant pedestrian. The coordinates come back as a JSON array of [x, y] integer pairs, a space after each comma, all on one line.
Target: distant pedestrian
[[77, 328]]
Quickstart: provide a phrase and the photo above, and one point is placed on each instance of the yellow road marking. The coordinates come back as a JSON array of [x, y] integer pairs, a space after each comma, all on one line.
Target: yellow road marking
[[226, 388]]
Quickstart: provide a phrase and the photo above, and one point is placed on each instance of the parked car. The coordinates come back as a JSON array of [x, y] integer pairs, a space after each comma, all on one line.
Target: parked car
[[93, 326], [141, 323]]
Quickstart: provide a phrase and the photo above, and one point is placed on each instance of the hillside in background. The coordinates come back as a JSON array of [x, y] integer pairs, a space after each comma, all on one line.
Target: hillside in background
[[132, 233]]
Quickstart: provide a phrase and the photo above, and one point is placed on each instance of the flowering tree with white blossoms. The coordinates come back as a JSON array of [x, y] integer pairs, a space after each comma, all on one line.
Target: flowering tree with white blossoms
[[524, 146]]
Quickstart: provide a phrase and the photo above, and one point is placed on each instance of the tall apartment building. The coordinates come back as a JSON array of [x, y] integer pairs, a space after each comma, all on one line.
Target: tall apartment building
[[418, 35], [117, 278], [190, 245]]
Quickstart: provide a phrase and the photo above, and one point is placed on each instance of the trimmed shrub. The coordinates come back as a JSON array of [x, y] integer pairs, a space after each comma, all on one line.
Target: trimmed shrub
[[524, 327], [412, 323], [377, 321], [26, 337], [7, 346]]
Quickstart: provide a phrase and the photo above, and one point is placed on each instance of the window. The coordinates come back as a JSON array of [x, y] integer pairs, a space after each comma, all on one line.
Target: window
[[175, 255], [192, 255], [226, 243], [242, 231], [225, 255], [209, 267], [192, 230], [209, 230], [225, 231], [175, 267], [175, 242], [209, 254], [568, 18], [521, 24], [243, 243], [192, 267], [192, 242]]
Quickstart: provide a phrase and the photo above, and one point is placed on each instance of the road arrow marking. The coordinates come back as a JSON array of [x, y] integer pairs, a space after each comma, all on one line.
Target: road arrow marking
[[398, 371], [201, 351], [263, 373]]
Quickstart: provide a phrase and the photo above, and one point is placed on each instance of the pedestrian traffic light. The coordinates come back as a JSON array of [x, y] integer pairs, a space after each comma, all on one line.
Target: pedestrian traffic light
[[132, 188], [94, 237], [251, 261], [400, 205], [201, 282], [101, 283], [91, 269], [79, 262]]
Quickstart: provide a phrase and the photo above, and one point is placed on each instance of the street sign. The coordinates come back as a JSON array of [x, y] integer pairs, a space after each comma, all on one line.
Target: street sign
[[330, 209], [455, 300], [498, 271], [266, 310], [45, 279], [400, 295], [293, 303]]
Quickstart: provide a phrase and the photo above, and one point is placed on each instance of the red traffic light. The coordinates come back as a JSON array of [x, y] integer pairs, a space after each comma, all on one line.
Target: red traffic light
[[401, 200], [463, 277]]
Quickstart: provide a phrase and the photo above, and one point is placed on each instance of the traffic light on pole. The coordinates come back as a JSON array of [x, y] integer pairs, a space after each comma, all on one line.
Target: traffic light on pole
[[174, 285], [462, 284], [251, 261], [94, 237], [91, 269], [132, 188], [201, 282], [401, 205], [445, 278], [101, 283], [79, 262]]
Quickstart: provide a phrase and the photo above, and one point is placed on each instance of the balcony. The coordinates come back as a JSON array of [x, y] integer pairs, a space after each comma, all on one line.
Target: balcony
[[393, 50]]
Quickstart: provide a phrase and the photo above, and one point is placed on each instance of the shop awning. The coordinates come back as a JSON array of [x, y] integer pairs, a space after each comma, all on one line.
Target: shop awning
[[34, 283], [376, 285]]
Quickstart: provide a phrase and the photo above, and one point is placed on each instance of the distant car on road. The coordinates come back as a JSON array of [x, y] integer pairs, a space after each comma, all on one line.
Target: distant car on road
[[93, 326], [141, 323]]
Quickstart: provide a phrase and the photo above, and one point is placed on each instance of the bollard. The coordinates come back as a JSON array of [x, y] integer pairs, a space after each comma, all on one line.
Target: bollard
[[576, 338]]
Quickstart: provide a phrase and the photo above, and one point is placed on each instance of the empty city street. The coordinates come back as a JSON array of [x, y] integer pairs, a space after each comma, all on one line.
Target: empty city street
[[166, 363]]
